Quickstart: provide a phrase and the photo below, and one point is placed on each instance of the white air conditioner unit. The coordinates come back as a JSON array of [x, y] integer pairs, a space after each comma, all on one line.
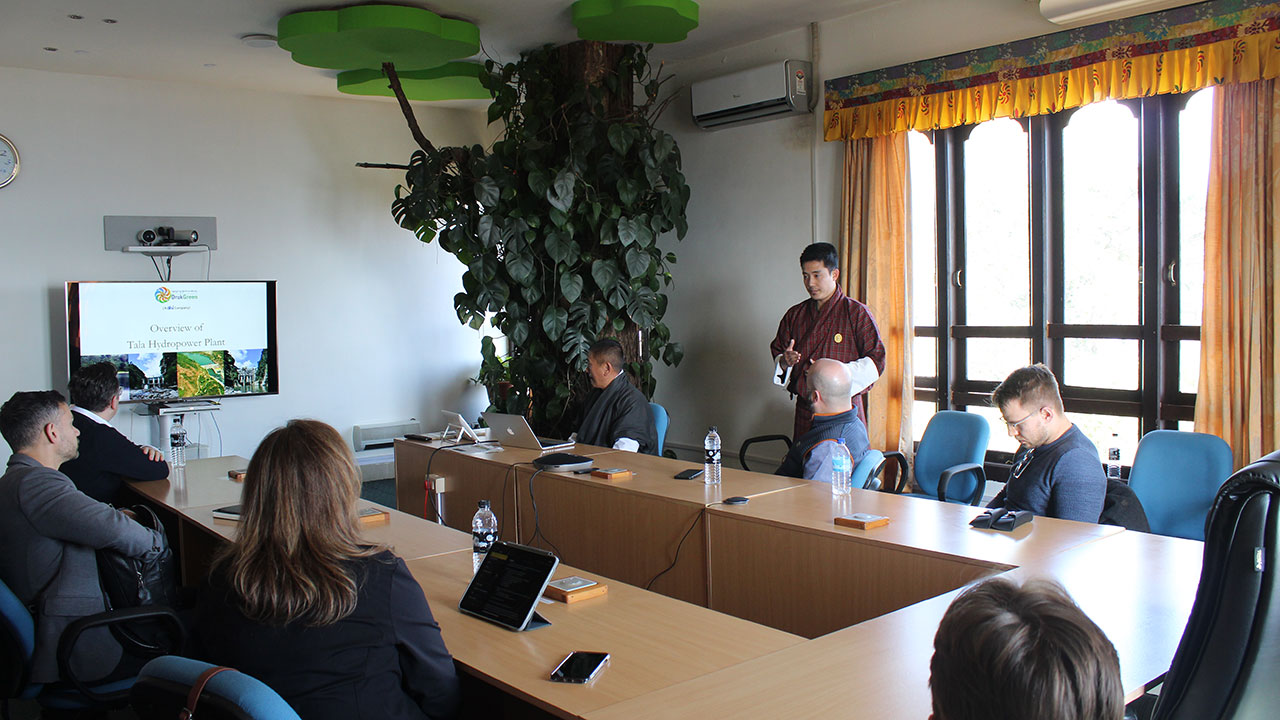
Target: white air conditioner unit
[[1084, 12], [781, 88]]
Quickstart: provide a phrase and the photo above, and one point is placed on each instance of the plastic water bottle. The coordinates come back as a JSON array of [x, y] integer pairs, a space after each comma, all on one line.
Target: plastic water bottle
[[711, 465], [1113, 458], [177, 443], [841, 468], [484, 532]]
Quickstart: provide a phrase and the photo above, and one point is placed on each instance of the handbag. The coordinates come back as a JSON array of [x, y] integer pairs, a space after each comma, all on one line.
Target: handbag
[[135, 581]]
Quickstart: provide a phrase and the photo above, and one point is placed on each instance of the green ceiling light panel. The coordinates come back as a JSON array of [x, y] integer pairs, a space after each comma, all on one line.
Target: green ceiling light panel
[[365, 36], [451, 81], [656, 21]]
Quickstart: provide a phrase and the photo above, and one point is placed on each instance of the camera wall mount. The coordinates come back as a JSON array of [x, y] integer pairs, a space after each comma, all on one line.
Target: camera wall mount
[[130, 233]]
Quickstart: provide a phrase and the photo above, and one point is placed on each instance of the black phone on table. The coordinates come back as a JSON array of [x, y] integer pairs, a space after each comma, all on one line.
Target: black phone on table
[[580, 667], [689, 474]]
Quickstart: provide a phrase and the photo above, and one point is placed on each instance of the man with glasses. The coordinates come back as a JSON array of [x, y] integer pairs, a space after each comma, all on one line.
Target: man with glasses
[[1056, 472]]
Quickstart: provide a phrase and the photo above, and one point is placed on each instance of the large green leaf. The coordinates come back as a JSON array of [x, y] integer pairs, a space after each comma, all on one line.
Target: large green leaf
[[606, 274], [662, 145], [637, 262], [626, 231], [561, 193], [487, 191], [570, 286], [559, 247], [554, 321], [520, 266]]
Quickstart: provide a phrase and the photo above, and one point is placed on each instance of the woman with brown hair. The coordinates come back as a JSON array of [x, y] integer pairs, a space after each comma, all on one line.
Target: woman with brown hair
[[338, 627]]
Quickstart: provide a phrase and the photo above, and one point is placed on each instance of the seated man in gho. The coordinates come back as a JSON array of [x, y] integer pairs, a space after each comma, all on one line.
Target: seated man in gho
[[617, 414]]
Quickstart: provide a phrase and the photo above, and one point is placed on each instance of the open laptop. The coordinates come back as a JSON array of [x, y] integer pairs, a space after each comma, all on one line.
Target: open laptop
[[508, 584], [514, 431]]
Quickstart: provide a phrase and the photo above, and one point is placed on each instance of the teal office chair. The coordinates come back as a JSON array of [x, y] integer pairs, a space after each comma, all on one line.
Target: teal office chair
[[949, 459], [17, 643], [164, 685], [661, 421], [1176, 475]]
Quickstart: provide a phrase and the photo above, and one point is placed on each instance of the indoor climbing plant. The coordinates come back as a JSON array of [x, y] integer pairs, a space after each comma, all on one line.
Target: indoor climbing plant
[[558, 221]]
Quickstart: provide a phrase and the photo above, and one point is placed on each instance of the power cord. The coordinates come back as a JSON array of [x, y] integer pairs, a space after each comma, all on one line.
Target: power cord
[[676, 559], [537, 528], [431, 459]]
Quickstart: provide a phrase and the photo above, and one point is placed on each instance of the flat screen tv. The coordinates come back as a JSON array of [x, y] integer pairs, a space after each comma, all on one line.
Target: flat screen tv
[[176, 341]]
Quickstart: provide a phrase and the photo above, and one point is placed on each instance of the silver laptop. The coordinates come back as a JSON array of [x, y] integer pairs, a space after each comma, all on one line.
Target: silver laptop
[[514, 431]]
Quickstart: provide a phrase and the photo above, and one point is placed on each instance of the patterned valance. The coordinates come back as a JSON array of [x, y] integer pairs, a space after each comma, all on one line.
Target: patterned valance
[[1178, 50]]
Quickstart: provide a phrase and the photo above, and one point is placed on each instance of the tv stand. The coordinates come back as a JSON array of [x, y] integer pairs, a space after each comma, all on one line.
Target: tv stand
[[165, 412]]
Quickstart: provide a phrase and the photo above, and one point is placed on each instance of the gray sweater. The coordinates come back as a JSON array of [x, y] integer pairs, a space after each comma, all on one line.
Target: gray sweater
[[1063, 479]]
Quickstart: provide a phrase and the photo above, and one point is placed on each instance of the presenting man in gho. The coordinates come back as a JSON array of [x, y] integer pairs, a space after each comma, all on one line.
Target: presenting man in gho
[[617, 414], [833, 418], [1057, 472], [107, 458], [829, 324]]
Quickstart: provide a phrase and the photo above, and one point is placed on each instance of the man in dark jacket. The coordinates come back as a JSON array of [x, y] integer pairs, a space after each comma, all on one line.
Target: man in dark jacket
[[107, 458], [617, 414], [49, 531], [834, 417]]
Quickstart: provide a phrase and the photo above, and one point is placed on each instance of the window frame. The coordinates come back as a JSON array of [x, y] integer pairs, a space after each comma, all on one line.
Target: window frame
[[1157, 403]]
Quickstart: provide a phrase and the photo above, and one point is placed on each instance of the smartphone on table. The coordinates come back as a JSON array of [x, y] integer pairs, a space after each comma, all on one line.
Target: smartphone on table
[[689, 474], [580, 667]]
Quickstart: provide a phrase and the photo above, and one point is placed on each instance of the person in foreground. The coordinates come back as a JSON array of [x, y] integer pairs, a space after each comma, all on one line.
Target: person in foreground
[[833, 417], [1004, 652], [617, 414], [337, 627], [1056, 473], [49, 531], [107, 458], [829, 324]]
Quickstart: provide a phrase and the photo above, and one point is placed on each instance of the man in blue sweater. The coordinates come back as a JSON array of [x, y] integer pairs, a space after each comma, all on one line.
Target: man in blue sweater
[[830, 392], [1057, 472]]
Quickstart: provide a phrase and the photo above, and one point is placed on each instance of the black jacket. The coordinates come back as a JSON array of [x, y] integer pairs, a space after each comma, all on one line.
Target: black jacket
[[618, 411], [386, 660], [108, 458]]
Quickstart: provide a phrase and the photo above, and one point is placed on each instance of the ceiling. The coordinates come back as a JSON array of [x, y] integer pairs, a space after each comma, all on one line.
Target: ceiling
[[198, 41]]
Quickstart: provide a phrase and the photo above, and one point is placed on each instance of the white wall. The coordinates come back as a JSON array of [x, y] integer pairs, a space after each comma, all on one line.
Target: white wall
[[753, 208], [367, 331]]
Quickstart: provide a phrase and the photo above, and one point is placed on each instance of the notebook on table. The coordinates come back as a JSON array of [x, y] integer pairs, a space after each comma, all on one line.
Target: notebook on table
[[514, 431], [507, 586]]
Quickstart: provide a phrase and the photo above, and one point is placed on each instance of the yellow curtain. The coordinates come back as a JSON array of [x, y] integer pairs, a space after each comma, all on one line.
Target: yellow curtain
[[875, 245], [1239, 361], [1175, 51]]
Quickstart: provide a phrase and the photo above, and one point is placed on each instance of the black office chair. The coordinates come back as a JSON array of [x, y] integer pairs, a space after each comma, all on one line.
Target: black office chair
[[1229, 657]]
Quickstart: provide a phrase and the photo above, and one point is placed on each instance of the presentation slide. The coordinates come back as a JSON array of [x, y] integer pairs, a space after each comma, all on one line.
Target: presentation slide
[[177, 340]]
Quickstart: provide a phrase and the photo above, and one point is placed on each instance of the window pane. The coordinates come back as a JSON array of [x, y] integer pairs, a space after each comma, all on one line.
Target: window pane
[[1193, 188], [1099, 428], [995, 358], [1189, 366], [997, 269], [920, 416], [1090, 362], [924, 357], [1000, 438], [1100, 216], [924, 243]]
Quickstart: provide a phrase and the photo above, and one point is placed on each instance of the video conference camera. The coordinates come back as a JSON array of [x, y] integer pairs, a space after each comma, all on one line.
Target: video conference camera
[[168, 236]]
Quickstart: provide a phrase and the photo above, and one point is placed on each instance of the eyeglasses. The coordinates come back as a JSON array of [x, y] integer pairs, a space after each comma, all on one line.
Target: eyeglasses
[[1022, 462], [1014, 425]]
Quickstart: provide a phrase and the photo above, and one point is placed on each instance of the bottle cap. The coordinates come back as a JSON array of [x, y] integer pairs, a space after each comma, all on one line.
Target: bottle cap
[[483, 504]]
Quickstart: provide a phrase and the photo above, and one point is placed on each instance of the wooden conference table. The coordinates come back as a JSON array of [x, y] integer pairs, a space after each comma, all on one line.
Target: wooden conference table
[[776, 568], [871, 599]]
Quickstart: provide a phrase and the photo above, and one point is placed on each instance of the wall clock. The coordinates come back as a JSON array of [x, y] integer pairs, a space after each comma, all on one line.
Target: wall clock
[[8, 161]]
